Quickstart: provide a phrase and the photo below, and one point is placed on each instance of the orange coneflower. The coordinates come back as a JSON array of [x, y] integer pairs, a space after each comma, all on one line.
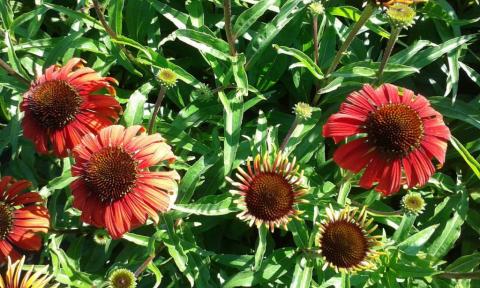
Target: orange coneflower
[[60, 106], [115, 188], [345, 242], [269, 191], [13, 277], [21, 218], [402, 133]]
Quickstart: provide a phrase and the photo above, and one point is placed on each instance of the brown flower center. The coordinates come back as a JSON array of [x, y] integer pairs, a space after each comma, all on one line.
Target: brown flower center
[[111, 173], [270, 197], [344, 244], [395, 129], [6, 220], [54, 104]]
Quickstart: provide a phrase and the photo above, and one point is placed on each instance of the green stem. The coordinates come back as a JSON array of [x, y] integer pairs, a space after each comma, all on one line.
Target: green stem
[[345, 280], [388, 51], [158, 103], [345, 187]]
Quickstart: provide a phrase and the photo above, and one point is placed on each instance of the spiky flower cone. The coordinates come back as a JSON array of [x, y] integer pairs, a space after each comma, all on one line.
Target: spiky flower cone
[[345, 240], [269, 191]]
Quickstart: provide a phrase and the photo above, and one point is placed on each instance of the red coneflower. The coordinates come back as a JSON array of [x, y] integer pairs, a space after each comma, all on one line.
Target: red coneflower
[[60, 106], [21, 218], [114, 188], [269, 191], [403, 134]]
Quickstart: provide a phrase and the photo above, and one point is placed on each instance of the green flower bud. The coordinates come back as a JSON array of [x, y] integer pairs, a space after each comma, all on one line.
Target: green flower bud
[[302, 110], [413, 203]]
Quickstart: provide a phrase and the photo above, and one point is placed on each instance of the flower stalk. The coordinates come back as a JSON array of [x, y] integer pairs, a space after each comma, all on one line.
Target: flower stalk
[[156, 109], [227, 12], [12, 72], [388, 51], [367, 12]]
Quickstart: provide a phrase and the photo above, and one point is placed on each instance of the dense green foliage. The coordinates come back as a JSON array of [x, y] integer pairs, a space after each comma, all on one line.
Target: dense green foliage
[[200, 242]]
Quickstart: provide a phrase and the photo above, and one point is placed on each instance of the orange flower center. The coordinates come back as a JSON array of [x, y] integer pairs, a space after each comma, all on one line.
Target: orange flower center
[[344, 244], [6, 220], [395, 129], [111, 173], [54, 104], [270, 197]]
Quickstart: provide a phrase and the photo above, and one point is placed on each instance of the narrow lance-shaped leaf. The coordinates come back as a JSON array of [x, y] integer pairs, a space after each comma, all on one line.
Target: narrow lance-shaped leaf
[[305, 61]]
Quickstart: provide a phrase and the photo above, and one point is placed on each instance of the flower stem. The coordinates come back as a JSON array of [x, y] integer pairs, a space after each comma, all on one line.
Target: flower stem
[[315, 38], [315, 45], [367, 12], [345, 280], [110, 32], [388, 51], [227, 12], [144, 265], [158, 103], [289, 134], [345, 187], [12, 72]]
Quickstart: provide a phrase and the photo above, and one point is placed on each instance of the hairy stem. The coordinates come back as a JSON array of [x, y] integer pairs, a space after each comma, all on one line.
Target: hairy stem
[[158, 103], [289, 134], [144, 265], [315, 39], [12, 72], [315, 45], [110, 32], [227, 12], [388, 51], [367, 12]]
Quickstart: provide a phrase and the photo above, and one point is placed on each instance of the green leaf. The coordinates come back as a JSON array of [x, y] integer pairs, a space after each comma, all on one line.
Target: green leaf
[[204, 42], [133, 114], [250, 16], [87, 19], [265, 36], [238, 65], [302, 275], [192, 177], [178, 18], [211, 205], [459, 110], [474, 75], [465, 263], [405, 226], [115, 15], [305, 61], [353, 13], [414, 243], [451, 231], [233, 107], [471, 161], [136, 239]]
